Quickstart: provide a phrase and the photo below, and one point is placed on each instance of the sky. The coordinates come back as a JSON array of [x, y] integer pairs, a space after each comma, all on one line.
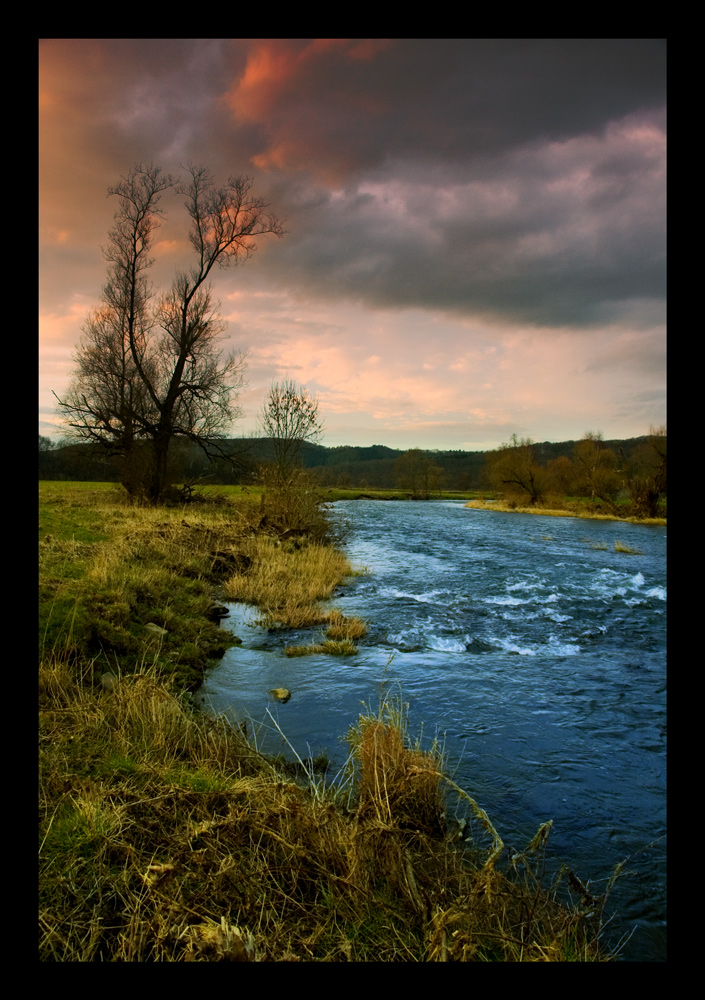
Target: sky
[[475, 228]]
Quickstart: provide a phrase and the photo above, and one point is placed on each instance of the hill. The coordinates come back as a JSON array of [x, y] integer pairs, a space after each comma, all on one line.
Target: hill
[[344, 465]]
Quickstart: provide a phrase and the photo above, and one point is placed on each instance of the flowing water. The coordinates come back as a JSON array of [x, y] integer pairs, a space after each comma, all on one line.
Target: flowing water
[[533, 647]]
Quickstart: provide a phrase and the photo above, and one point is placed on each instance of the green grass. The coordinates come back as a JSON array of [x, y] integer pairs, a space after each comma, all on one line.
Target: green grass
[[110, 568], [67, 511]]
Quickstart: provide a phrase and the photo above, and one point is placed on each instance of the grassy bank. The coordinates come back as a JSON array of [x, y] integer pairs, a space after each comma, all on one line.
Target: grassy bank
[[577, 508], [167, 836], [122, 586]]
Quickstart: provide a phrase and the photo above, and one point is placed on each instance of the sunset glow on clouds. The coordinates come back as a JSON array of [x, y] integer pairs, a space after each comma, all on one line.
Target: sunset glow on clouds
[[475, 228]]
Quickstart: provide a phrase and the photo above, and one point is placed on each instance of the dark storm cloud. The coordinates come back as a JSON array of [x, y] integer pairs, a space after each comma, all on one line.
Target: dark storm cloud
[[563, 233], [517, 179], [522, 179], [449, 99]]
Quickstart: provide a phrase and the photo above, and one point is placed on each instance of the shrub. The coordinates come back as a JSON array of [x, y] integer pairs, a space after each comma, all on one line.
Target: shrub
[[293, 505]]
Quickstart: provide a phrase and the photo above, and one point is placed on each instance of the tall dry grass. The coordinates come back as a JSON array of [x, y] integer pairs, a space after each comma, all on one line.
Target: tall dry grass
[[167, 836], [288, 583]]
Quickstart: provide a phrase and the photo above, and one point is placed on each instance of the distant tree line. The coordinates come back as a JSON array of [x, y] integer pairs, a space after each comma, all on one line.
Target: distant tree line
[[610, 472], [616, 476]]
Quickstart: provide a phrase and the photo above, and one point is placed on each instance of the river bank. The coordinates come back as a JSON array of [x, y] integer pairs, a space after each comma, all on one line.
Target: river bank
[[575, 510], [167, 836]]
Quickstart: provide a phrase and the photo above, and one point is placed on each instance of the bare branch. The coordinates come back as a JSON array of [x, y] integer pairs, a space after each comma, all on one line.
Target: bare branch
[[152, 372], [290, 417]]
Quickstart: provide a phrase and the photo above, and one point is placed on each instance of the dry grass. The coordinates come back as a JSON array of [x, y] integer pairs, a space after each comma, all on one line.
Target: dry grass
[[166, 836], [342, 627], [341, 634], [333, 647], [627, 549], [574, 510], [288, 583], [109, 568]]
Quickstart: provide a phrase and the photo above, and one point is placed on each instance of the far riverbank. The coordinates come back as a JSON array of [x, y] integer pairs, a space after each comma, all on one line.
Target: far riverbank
[[504, 508]]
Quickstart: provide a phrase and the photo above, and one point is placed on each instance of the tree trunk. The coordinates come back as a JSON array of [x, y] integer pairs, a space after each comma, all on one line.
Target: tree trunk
[[157, 476]]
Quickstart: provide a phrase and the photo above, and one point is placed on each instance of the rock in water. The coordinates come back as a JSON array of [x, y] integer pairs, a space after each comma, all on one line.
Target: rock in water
[[280, 694]]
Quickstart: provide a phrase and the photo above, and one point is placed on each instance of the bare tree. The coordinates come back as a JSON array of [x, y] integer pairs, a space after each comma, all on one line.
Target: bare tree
[[513, 469], [290, 417], [292, 501], [597, 474], [647, 473], [416, 471], [149, 369]]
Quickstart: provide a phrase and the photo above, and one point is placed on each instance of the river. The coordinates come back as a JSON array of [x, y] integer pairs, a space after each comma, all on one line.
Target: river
[[532, 646]]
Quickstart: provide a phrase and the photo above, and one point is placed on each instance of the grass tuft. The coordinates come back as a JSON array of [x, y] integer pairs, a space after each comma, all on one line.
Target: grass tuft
[[341, 627], [288, 584], [622, 547], [334, 647]]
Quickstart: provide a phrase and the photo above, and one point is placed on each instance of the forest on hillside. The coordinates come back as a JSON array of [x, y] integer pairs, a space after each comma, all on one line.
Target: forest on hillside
[[589, 467]]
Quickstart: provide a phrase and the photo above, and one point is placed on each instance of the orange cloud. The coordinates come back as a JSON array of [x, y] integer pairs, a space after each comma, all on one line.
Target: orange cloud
[[300, 92], [369, 48], [169, 246], [63, 328], [272, 66]]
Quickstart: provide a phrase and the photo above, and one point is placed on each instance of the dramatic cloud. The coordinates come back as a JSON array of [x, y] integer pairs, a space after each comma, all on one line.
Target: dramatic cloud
[[475, 227]]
